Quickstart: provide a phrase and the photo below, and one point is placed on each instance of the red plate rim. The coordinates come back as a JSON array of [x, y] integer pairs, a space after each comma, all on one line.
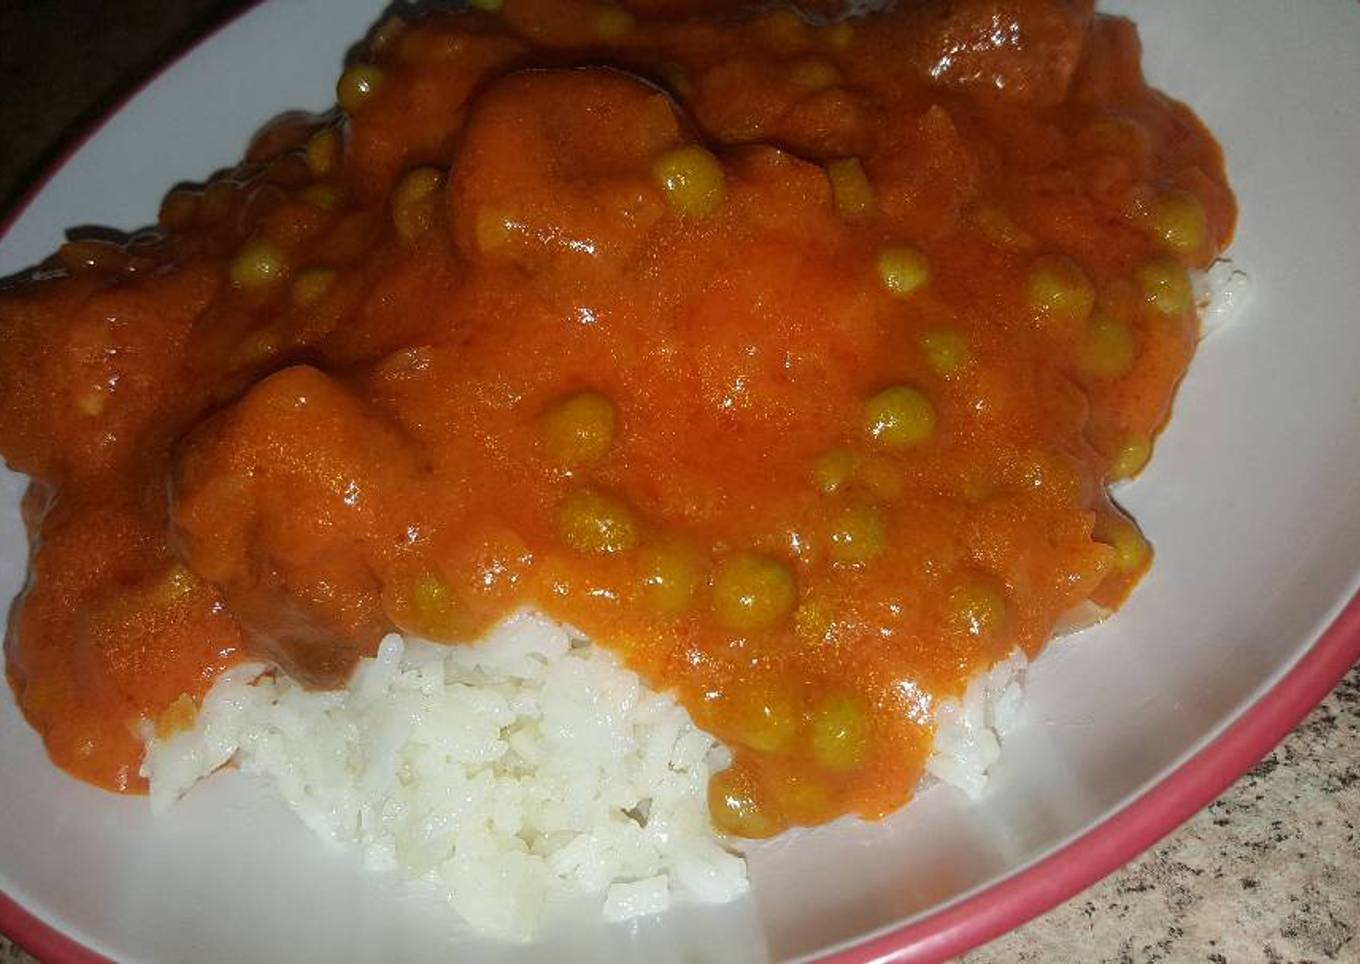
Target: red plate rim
[[1004, 905]]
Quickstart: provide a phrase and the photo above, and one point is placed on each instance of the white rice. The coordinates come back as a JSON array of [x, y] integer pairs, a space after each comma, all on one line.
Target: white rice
[[503, 772], [968, 731], [1220, 293]]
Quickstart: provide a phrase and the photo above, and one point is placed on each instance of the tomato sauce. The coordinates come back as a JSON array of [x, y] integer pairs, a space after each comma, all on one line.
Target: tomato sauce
[[789, 357]]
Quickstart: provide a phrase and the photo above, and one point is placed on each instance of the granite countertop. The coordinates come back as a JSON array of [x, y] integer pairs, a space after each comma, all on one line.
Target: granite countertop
[[1270, 872]]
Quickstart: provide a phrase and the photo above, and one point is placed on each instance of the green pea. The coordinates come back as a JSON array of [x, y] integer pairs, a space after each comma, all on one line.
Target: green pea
[[753, 592], [1178, 220], [737, 804], [1134, 451], [1131, 550], [850, 188], [1059, 290], [357, 86], [1107, 348], [670, 575], [425, 605], [899, 417], [834, 470], [767, 718], [596, 522], [840, 734], [257, 264], [859, 534], [947, 351], [692, 179], [903, 271], [977, 607], [580, 429], [1166, 286]]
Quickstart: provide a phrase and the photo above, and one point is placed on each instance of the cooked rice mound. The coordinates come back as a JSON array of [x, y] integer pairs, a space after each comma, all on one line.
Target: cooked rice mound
[[501, 772], [527, 765]]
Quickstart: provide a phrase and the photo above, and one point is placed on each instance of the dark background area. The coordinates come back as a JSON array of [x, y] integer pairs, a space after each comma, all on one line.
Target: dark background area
[[64, 63]]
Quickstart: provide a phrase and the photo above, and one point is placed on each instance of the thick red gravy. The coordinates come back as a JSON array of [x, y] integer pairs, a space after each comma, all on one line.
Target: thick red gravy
[[789, 360]]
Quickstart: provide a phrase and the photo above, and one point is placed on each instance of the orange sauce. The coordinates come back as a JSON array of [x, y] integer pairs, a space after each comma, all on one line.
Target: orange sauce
[[789, 359]]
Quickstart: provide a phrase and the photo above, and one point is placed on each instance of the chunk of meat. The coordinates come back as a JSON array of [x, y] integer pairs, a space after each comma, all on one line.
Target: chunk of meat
[[928, 176], [110, 628], [542, 178], [90, 368], [1016, 50], [419, 107], [744, 101], [288, 501]]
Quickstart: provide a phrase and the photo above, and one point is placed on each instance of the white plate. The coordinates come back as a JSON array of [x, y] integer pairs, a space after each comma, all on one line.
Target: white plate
[[1253, 502]]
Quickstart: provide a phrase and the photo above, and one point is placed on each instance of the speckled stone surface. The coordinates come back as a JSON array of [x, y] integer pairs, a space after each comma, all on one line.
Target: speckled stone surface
[[1270, 872], [9, 954]]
